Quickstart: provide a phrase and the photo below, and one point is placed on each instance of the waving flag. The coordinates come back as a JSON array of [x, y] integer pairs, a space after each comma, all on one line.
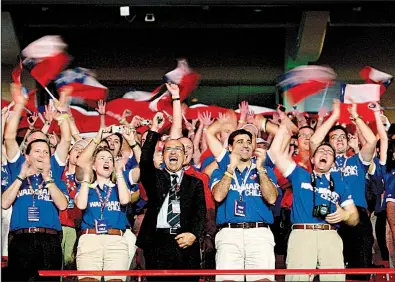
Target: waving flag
[[304, 81], [372, 75], [44, 58], [362, 95], [85, 86]]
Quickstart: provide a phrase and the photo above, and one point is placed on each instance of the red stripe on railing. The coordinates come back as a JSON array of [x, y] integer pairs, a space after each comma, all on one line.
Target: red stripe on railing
[[208, 272]]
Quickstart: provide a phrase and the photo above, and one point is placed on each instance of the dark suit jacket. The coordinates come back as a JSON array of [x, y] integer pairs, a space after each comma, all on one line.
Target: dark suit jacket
[[157, 184]]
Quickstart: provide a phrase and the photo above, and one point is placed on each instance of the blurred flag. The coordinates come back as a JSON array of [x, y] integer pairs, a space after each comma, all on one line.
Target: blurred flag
[[372, 75], [85, 86], [304, 81], [44, 58]]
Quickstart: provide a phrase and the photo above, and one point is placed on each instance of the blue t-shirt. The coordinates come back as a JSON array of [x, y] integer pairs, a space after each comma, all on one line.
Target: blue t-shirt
[[113, 212], [257, 210], [48, 212], [303, 203], [353, 171], [206, 162], [224, 160]]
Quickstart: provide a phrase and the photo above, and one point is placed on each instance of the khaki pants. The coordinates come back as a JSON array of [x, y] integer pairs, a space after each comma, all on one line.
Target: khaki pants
[[5, 229], [239, 248], [68, 240], [309, 249], [103, 252]]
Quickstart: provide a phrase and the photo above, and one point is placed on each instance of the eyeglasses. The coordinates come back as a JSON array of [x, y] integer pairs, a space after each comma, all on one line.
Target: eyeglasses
[[171, 149], [304, 135], [323, 151], [336, 137]]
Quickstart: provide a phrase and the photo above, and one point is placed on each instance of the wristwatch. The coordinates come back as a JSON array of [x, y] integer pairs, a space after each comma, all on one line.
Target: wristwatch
[[262, 171]]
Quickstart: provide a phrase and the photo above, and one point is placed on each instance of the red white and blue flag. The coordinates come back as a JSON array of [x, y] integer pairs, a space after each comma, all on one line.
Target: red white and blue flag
[[44, 59], [84, 84], [304, 81]]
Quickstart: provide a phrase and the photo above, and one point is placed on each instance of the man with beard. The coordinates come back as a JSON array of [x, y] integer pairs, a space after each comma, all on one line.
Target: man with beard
[[176, 211], [358, 240], [321, 201], [244, 192]]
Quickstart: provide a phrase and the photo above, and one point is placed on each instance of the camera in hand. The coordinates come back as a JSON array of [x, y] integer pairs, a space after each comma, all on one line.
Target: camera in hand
[[321, 211]]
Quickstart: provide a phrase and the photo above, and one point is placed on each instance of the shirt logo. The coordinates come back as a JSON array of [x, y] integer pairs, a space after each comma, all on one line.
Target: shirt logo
[[324, 193], [111, 205]]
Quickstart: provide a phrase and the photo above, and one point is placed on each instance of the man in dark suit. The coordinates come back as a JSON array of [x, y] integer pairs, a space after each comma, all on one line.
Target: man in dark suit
[[176, 210]]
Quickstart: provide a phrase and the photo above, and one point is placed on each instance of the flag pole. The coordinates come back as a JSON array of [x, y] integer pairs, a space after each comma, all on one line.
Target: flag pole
[[324, 96], [50, 94]]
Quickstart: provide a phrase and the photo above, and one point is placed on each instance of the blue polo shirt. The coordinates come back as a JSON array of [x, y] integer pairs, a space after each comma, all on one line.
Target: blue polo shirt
[[257, 210], [303, 204], [132, 163], [113, 212], [49, 213], [353, 171]]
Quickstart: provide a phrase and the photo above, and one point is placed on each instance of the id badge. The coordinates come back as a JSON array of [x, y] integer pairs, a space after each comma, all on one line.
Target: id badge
[[70, 204], [240, 208], [175, 206], [101, 226], [33, 214]]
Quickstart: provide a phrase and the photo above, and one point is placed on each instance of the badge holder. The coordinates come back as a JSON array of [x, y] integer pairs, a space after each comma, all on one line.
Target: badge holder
[[175, 206], [70, 203], [33, 213], [240, 207], [101, 226]]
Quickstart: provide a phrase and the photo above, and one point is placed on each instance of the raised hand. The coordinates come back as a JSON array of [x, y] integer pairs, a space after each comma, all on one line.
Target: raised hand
[[17, 95], [206, 119], [101, 107], [173, 90], [322, 113], [136, 121], [243, 106], [261, 157], [158, 121], [49, 113], [336, 108], [128, 135], [32, 119]]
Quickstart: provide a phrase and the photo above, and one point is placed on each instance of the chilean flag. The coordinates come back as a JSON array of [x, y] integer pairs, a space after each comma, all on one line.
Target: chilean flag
[[304, 81], [44, 58], [372, 75], [85, 86], [362, 95]]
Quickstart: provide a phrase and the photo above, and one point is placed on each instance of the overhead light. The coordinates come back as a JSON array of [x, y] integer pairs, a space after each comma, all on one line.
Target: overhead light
[[257, 10], [124, 10], [149, 17]]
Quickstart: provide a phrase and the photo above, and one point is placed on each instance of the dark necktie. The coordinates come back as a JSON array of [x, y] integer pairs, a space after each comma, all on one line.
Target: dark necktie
[[173, 218]]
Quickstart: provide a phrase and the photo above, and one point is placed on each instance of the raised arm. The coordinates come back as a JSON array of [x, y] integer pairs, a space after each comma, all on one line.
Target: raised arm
[[49, 116], [75, 133], [129, 135], [322, 131], [382, 134], [12, 147], [176, 127], [123, 191], [281, 158], [101, 109], [243, 107], [368, 149]]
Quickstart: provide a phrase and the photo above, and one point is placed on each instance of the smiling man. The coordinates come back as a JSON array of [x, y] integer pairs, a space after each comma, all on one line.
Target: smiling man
[[176, 211], [244, 190], [321, 200]]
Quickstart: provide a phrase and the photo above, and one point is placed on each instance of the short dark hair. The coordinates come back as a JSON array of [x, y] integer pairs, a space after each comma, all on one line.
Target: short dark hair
[[238, 132], [325, 144], [34, 131], [336, 127], [29, 146], [120, 138]]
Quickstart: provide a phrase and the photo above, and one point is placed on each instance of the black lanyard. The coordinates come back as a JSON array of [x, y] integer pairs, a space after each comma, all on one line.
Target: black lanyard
[[314, 185]]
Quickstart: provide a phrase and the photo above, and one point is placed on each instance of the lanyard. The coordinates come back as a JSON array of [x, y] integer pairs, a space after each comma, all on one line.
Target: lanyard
[[68, 184], [103, 204], [178, 185], [315, 189], [241, 188], [344, 165], [32, 190]]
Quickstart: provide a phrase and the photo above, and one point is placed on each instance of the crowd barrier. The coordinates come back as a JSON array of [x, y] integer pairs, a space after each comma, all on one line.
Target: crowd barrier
[[382, 274]]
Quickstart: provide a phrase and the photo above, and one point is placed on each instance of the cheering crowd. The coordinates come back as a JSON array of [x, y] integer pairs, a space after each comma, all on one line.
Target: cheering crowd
[[214, 193]]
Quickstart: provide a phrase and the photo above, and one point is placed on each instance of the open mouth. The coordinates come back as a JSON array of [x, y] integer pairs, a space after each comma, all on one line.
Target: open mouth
[[106, 167], [323, 160], [173, 160]]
